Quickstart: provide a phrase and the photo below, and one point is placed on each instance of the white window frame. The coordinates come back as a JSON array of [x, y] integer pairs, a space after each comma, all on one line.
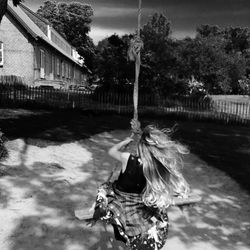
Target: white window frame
[[66, 70], [57, 67], [42, 63], [63, 68], [69, 70], [52, 64], [1, 52]]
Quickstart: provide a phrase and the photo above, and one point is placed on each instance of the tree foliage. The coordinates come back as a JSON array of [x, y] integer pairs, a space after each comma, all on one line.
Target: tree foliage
[[217, 60], [157, 55], [72, 20], [112, 67], [229, 63], [3, 6]]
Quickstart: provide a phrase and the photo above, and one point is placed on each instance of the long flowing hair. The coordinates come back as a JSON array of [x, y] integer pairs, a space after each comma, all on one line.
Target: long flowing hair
[[162, 162]]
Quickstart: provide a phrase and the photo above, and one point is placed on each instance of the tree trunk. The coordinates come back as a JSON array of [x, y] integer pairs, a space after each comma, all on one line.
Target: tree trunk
[[3, 8]]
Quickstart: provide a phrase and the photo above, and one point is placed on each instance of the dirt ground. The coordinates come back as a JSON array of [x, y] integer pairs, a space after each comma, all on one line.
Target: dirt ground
[[44, 184]]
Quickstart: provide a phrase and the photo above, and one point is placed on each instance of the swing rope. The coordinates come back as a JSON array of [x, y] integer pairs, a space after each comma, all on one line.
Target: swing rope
[[134, 54]]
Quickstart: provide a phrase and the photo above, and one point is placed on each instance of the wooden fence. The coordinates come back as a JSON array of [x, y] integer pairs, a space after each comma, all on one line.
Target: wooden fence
[[203, 109]]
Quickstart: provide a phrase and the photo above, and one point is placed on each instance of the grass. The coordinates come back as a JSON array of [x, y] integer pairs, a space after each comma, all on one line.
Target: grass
[[225, 147]]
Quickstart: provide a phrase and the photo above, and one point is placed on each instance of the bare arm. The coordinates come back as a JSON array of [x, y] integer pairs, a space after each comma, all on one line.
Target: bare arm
[[118, 155]]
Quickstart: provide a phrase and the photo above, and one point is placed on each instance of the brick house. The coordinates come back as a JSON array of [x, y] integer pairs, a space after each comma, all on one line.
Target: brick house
[[31, 49]]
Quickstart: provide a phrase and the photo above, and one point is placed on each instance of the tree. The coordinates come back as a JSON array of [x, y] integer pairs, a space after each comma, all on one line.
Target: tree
[[72, 20], [238, 39], [168, 65], [3, 150], [158, 55], [206, 30], [111, 65], [3, 6], [205, 58]]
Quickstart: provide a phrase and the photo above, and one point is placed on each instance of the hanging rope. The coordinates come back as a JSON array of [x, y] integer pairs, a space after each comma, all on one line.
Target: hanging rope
[[134, 54]]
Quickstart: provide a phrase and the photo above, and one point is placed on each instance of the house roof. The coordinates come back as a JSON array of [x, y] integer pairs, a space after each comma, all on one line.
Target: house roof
[[32, 13], [35, 31]]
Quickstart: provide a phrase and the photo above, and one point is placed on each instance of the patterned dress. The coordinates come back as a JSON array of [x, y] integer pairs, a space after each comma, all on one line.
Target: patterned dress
[[120, 204]]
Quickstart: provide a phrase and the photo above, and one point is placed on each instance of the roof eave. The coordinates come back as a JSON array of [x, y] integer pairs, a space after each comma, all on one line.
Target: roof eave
[[26, 27], [62, 52]]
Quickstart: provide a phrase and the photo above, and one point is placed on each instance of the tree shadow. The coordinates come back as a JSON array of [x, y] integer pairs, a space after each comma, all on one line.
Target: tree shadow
[[49, 222], [57, 126], [42, 197], [223, 146], [216, 222]]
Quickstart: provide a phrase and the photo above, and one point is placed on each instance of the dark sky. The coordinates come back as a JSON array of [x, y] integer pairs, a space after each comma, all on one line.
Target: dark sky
[[119, 16]]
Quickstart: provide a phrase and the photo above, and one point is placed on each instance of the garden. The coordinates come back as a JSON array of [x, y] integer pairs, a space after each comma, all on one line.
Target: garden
[[57, 159], [57, 140]]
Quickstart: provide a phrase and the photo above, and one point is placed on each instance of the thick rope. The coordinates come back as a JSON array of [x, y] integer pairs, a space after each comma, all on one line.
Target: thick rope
[[137, 48], [134, 54]]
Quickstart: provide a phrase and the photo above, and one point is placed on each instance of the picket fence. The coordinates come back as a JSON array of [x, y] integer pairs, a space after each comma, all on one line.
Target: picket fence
[[191, 108]]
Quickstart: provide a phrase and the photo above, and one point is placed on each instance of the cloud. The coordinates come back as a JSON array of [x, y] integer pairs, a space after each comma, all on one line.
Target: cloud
[[120, 16], [114, 12], [180, 34], [99, 33]]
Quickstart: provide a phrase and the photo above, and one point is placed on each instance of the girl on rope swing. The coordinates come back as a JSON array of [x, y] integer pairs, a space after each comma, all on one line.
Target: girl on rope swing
[[149, 182]]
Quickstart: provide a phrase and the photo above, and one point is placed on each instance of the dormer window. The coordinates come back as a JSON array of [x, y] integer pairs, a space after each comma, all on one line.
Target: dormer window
[[1, 53]]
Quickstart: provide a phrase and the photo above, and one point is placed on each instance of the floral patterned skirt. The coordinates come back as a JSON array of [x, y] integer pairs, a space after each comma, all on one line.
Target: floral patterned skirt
[[138, 226], [146, 242]]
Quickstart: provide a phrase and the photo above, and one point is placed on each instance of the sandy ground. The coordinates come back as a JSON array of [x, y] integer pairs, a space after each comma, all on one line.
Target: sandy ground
[[44, 185]]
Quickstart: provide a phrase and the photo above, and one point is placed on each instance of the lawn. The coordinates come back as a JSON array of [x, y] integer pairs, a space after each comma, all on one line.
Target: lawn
[[58, 158]]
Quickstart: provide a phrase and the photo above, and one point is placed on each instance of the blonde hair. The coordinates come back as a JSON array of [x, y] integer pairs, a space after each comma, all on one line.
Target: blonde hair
[[162, 162]]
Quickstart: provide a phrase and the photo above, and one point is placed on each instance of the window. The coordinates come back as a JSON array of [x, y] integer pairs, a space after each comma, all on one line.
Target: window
[[42, 63], [67, 70], [1, 53], [57, 67], [53, 64], [63, 69]]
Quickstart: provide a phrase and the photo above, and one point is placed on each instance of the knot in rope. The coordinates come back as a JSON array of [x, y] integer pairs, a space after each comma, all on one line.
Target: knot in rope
[[136, 44], [135, 127]]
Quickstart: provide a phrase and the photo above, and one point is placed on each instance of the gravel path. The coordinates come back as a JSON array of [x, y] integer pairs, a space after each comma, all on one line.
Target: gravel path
[[44, 185]]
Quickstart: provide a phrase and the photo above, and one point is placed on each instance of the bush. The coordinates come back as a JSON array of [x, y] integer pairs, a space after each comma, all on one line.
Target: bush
[[3, 150], [244, 85]]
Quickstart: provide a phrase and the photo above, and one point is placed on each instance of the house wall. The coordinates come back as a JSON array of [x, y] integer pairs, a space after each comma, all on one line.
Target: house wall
[[22, 57], [18, 51], [57, 67]]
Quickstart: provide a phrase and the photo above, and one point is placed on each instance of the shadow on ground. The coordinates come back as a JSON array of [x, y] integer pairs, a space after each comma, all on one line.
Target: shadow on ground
[[38, 198], [57, 126], [223, 146], [42, 198], [39, 206]]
